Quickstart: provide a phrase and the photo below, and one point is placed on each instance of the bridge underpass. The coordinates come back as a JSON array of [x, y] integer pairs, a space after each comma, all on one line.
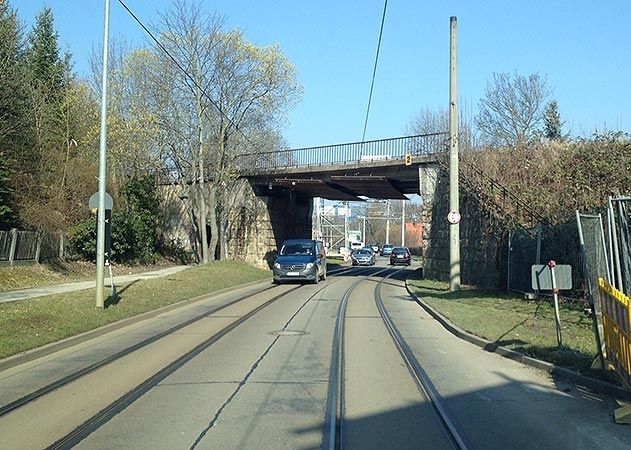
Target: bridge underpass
[[278, 201], [287, 182]]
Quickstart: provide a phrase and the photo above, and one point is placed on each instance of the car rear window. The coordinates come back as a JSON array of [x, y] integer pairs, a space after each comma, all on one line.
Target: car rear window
[[399, 250]]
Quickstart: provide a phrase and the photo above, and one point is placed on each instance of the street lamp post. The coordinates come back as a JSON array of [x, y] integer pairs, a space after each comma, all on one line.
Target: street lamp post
[[100, 230]]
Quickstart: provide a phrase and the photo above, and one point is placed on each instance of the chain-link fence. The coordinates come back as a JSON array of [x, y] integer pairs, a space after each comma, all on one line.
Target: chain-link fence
[[619, 243], [527, 247], [17, 245]]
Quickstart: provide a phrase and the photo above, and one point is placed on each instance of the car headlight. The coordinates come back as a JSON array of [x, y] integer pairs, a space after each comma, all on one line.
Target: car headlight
[[277, 265], [309, 265]]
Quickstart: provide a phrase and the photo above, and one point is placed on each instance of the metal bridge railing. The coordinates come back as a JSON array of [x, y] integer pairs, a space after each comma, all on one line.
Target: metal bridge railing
[[354, 152]]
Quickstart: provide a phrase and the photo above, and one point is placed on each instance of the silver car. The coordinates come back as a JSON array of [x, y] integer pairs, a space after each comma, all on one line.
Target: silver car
[[363, 257]]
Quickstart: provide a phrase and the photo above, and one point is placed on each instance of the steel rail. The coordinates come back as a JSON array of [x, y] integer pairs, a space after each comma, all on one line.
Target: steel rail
[[17, 403], [110, 411], [422, 380], [335, 395], [13, 405]]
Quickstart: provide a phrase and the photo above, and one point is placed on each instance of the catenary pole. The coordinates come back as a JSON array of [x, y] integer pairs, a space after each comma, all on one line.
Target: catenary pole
[[402, 223], [100, 231], [388, 224], [454, 228]]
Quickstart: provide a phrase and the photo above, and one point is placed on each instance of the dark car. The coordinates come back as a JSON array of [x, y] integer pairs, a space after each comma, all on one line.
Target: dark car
[[386, 250], [363, 257], [400, 255], [300, 260], [375, 247]]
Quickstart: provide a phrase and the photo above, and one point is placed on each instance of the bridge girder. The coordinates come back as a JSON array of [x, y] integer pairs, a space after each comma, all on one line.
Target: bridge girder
[[383, 179]]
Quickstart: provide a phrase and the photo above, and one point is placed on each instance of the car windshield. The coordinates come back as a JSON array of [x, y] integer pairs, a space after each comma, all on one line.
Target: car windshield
[[297, 249], [363, 252]]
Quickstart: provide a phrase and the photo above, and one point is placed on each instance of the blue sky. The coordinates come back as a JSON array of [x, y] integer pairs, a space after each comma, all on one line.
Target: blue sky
[[581, 46]]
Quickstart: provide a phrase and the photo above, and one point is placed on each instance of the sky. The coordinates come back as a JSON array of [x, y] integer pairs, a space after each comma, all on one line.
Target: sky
[[581, 47]]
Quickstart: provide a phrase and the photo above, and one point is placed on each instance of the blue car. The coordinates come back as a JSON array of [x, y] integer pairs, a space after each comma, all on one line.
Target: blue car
[[300, 260]]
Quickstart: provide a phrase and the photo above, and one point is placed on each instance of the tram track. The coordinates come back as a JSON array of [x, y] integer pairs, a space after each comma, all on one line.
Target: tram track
[[423, 382], [333, 435], [11, 406], [104, 415]]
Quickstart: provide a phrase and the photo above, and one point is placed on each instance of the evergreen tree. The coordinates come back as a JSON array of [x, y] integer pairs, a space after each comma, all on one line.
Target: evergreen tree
[[552, 122], [42, 198], [13, 112], [46, 67]]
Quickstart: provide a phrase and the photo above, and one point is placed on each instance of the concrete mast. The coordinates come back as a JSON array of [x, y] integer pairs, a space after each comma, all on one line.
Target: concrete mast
[[454, 225]]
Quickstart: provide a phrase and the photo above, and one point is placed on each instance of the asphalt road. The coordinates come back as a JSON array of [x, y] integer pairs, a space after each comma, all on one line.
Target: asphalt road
[[264, 384]]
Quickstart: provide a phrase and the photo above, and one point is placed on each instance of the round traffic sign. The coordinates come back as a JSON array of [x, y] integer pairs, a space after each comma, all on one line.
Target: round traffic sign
[[453, 217], [94, 201]]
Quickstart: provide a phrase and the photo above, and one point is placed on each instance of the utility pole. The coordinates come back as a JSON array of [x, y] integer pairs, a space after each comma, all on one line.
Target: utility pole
[[100, 229], [454, 214], [402, 223], [346, 212], [364, 230], [388, 224]]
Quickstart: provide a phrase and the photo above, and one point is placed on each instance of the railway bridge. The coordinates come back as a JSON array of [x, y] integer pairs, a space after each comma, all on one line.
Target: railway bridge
[[287, 181], [279, 188]]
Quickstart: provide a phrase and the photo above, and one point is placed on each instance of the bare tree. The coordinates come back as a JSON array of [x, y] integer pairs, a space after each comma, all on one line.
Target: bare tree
[[511, 112], [217, 93], [429, 121]]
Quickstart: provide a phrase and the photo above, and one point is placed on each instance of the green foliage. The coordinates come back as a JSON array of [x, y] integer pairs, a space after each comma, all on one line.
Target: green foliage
[[83, 238], [6, 195], [552, 124], [134, 228], [14, 113], [142, 206], [42, 56]]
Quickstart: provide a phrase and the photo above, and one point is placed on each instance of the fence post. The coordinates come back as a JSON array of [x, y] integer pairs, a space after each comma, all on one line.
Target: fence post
[[508, 261], [538, 254], [14, 243], [61, 245], [38, 247]]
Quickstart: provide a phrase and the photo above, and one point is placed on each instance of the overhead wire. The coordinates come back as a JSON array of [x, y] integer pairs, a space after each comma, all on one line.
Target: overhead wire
[[374, 70]]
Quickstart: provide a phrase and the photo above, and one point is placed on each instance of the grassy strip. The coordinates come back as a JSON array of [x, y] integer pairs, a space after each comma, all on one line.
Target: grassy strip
[[32, 323], [54, 272], [521, 325]]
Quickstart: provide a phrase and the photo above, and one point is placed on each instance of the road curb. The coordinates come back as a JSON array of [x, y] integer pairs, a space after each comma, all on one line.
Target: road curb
[[53, 347], [567, 374]]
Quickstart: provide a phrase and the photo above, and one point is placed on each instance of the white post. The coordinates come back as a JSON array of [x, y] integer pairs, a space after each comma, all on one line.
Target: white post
[[13, 246], [555, 294]]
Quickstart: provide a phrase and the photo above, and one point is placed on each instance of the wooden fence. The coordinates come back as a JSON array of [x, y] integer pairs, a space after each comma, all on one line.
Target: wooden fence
[[16, 245]]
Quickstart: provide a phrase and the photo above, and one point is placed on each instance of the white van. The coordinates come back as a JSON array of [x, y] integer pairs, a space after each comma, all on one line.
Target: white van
[[356, 245]]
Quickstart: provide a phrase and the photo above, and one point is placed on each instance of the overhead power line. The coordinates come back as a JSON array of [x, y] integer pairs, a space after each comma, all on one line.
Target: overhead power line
[[374, 70], [185, 72]]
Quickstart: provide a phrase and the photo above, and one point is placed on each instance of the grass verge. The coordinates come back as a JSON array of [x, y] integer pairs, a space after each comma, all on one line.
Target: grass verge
[[526, 326], [54, 272], [29, 324]]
